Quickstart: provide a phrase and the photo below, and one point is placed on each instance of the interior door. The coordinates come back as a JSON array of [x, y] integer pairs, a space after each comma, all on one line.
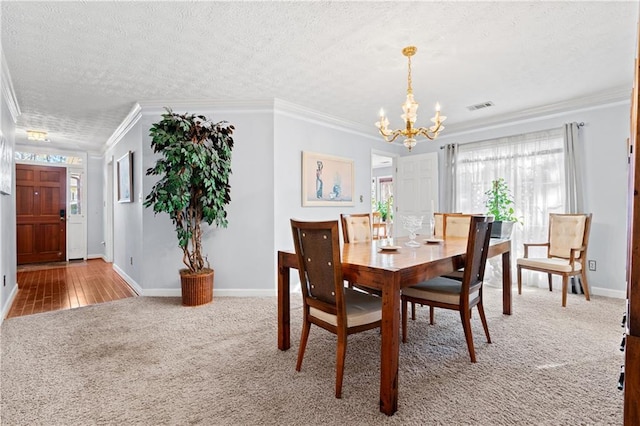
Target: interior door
[[76, 217], [416, 190], [40, 213]]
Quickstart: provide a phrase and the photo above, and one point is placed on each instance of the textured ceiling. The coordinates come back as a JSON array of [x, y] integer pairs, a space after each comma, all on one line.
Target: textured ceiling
[[79, 67]]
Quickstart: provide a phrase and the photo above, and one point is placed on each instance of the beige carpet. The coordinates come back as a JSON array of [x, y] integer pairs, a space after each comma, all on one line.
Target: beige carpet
[[149, 361]]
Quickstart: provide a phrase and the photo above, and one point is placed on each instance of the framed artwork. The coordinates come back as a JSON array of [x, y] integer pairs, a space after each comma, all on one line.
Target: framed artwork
[[125, 178], [327, 180], [6, 166]]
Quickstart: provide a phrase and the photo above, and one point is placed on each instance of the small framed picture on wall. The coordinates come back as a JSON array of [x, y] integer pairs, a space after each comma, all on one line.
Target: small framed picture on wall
[[125, 178]]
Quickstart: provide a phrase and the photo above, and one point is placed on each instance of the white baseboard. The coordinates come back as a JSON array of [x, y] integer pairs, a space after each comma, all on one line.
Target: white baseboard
[[224, 292], [596, 291], [134, 285], [235, 292], [7, 306], [162, 292], [97, 256], [607, 292]]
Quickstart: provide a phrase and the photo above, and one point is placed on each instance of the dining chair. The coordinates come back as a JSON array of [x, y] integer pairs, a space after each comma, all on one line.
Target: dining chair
[[356, 228], [454, 294], [326, 302], [566, 249], [456, 225], [378, 226], [438, 225], [447, 225]]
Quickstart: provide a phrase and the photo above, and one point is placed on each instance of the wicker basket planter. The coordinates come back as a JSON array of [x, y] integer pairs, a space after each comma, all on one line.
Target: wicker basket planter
[[197, 289]]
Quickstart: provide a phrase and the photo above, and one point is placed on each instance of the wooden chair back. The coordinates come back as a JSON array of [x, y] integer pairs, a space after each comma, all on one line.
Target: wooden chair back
[[438, 222], [379, 228], [317, 247], [356, 228], [479, 234]]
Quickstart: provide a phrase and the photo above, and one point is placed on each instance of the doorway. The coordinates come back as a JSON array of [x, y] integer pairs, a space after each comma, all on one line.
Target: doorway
[[382, 189], [41, 224]]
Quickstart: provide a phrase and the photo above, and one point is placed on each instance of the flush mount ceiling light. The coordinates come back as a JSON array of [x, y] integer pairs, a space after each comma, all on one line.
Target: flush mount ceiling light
[[410, 108], [35, 135]]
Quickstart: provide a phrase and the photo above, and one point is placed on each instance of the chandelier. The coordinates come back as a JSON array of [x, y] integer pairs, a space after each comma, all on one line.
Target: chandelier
[[410, 108]]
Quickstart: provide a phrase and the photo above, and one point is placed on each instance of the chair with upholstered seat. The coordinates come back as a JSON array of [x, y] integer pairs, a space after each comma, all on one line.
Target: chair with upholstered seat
[[356, 228], [451, 225], [566, 252], [456, 225], [326, 302], [438, 225], [379, 227], [447, 225], [454, 294]]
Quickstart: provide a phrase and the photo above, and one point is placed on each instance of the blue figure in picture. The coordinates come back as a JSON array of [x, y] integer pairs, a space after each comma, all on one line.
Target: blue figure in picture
[[335, 194], [319, 180], [337, 187]]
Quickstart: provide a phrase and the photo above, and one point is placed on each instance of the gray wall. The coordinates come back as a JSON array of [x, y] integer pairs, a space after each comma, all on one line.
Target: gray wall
[[265, 194], [8, 258], [240, 254], [127, 217], [604, 145], [94, 207], [296, 134]]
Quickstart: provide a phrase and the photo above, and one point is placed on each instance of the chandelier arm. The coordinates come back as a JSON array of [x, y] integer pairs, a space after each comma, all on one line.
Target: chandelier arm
[[390, 136], [423, 131]]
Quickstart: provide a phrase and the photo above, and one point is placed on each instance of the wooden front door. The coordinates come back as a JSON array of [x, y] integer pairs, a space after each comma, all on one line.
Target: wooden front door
[[40, 213]]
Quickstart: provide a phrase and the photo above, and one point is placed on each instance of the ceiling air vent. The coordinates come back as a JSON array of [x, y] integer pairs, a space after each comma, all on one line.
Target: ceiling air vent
[[480, 106]]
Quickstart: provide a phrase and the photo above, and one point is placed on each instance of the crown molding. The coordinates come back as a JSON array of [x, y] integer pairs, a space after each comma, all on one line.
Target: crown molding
[[297, 111], [158, 105], [8, 93], [129, 121], [619, 96], [275, 105]]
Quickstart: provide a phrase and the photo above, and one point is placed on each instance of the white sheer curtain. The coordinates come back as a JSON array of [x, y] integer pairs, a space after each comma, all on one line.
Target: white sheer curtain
[[533, 167], [449, 189]]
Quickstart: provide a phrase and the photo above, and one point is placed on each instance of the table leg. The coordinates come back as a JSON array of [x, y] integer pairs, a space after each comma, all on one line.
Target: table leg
[[284, 308], [390, 348], [506, 283]]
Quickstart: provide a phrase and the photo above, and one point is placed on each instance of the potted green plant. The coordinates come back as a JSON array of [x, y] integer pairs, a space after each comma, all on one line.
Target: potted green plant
[[499, 203], [385, 209], [194, 169]]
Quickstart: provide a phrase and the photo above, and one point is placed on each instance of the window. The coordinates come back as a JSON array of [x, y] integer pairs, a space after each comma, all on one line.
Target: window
[[532, 166], [47, 158]]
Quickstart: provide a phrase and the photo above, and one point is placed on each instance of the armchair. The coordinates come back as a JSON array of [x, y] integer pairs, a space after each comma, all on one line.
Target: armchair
[[566, 252]]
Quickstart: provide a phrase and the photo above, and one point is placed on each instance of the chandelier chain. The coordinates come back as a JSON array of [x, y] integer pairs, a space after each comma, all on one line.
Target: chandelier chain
[[409, 88]]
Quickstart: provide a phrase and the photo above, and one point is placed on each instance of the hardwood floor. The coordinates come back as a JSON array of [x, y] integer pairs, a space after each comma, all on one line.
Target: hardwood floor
[[52, 287]]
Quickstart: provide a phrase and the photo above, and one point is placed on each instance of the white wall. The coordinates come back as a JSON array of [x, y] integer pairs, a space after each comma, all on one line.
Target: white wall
[[603, 141], [266, 193], [294, 134], [8, 258], [128, 256], [94, 207], [241, 254]]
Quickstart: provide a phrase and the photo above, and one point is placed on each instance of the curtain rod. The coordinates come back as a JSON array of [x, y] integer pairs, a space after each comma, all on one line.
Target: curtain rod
[[580, 124]]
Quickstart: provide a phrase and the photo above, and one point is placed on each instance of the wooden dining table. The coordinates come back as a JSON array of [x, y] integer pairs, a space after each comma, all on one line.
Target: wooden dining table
[[389, 271]]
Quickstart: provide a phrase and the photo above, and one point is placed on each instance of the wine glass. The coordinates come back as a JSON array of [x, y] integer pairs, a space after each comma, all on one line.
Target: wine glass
[[412, 224]]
